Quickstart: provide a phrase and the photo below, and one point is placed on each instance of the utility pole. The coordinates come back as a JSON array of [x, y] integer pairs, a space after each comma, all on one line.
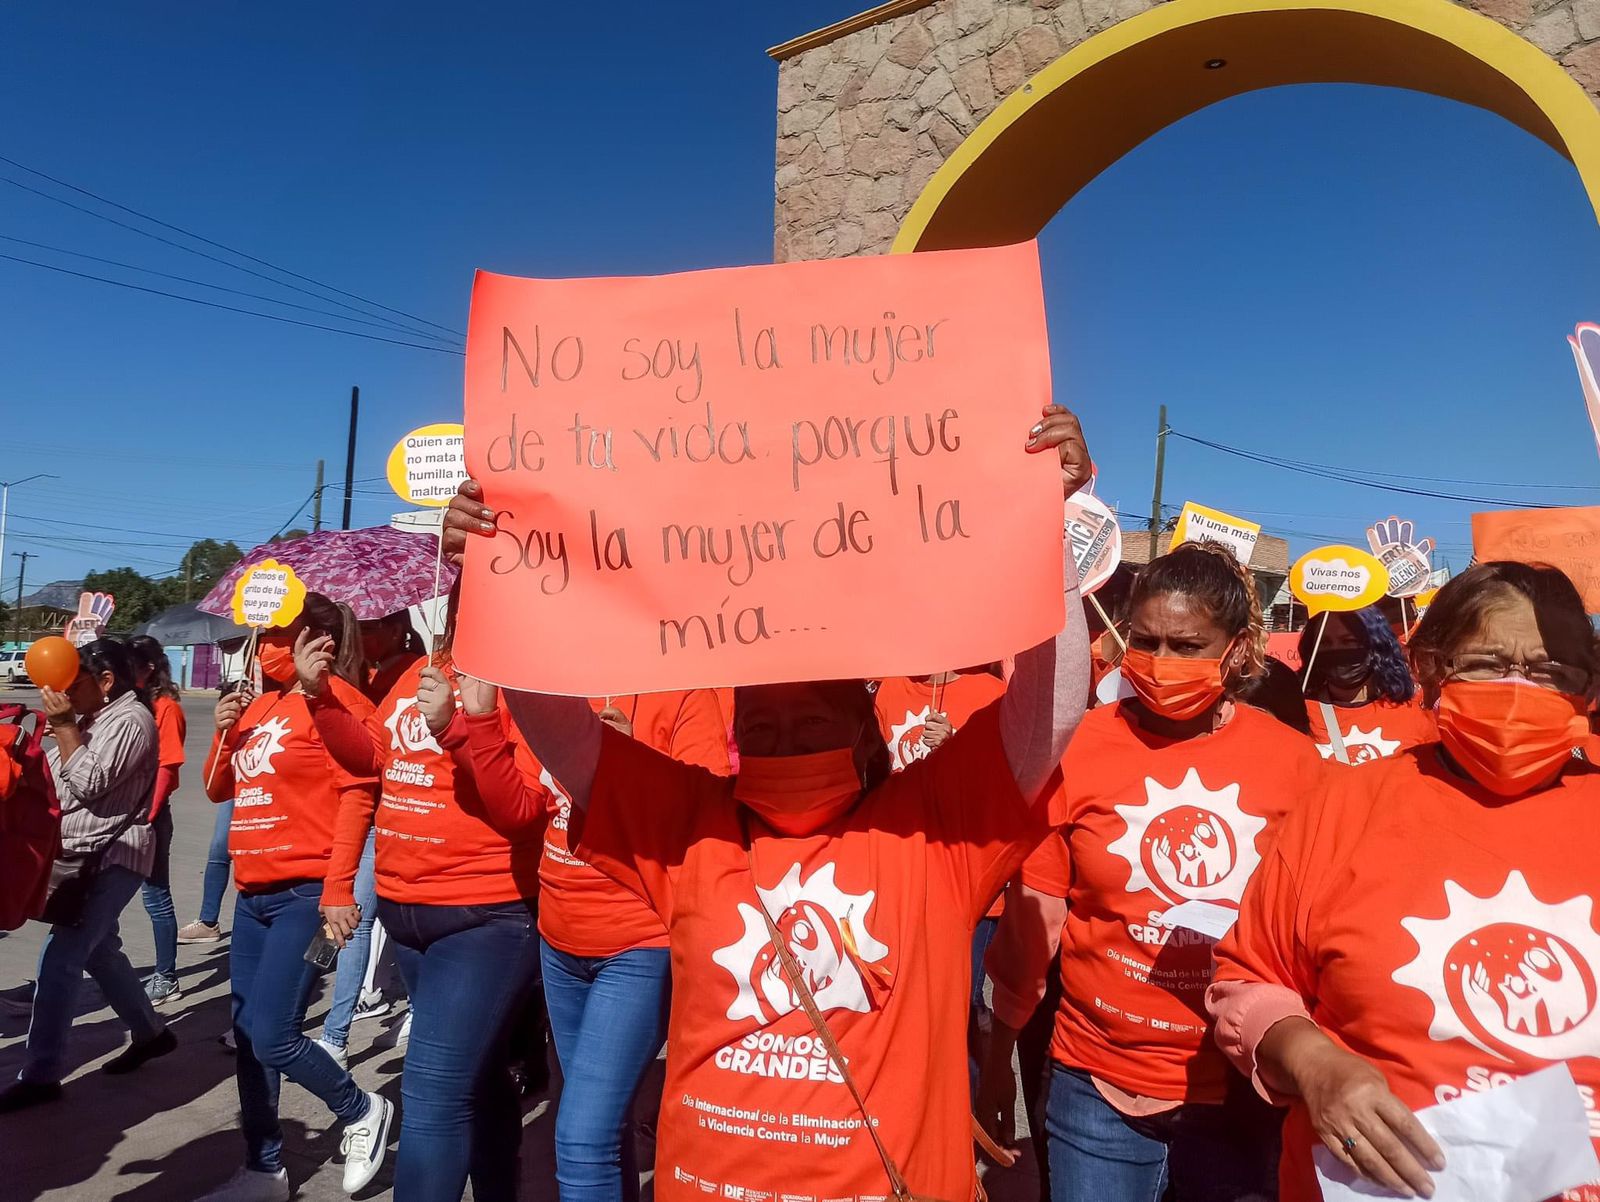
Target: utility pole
[[1161, 465], [316, 501], [5, 504], [350, 455], [22, 575]]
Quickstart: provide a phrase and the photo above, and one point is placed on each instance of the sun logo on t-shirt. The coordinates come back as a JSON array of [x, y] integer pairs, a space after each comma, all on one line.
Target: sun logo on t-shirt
[[1363, 746], [254, 756], [1510, 973], [811, 916], [408, 729], [905, 738], [1189, 843]]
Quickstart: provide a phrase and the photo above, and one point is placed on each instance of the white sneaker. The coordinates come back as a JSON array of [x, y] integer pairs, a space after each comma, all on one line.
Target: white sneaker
[[402, 1039], [364, 1143], [341, 1056], [248, 1185]]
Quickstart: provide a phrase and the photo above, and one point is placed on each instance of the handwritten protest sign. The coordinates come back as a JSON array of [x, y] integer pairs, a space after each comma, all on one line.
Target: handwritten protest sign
[[1585, 343], [269, 594], [794, 472], [428, 464], [1409, 559], [1091, 528], [1338, 578], [1196, 522], [1568, 539]]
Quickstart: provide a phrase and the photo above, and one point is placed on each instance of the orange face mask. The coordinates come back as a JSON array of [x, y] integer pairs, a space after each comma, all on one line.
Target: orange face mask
[[798, 795], [1510, 736], [277, 661], [1172, 685]]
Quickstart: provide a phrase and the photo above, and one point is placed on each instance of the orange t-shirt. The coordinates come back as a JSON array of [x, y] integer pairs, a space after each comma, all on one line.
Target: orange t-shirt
[[1373, 731], [382, 681], [435, 844], [904, 706], [752, 1103], [582, 911], [1446, 935], [754, 1108], [286, 789], [1151, 823], [1048, 868], [171, 728]]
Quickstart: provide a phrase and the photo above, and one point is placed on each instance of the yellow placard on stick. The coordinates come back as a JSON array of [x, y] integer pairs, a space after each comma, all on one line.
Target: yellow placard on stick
[[1197, 523], [428, 464], [1338, 578], [267, 595]]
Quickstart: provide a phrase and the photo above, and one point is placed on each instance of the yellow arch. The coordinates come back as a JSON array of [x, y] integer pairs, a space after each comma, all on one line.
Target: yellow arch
[[1109, 93]]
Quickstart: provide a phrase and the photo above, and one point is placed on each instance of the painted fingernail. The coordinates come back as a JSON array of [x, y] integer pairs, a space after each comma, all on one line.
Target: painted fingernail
[[1039, 429]]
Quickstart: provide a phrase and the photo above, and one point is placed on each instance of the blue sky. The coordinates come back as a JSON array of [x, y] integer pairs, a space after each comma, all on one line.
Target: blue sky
[[1353, 277]]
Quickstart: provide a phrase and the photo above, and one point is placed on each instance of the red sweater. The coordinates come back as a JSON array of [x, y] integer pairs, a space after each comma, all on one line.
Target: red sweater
[[286, 789]]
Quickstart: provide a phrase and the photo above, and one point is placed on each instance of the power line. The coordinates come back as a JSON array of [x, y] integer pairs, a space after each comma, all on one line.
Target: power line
[[183, 279], [397, 326], [178, 229], [1342, 476], [195, 300]]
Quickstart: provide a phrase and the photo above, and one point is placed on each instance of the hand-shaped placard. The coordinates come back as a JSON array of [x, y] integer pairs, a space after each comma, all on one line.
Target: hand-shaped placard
[[1408, 558], [89, 623]]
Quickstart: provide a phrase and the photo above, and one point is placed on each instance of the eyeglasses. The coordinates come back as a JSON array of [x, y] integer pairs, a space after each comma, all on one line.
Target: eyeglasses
[[1547, 674]]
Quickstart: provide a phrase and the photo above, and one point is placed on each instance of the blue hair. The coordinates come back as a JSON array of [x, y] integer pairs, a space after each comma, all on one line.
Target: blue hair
[[1386, 659]]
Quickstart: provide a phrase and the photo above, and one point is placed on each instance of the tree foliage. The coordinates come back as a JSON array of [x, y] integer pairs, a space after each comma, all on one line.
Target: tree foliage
[[139, 598]]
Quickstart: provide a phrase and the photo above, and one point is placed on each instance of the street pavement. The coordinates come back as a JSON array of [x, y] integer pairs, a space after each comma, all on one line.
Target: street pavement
[[169, 1132]]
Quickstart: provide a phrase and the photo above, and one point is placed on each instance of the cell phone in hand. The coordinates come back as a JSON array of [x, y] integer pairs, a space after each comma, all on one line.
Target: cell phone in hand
[[322, 950]]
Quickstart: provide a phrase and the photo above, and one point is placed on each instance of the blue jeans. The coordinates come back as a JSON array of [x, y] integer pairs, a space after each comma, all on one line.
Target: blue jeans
[[468, 970], [218, 866], [977, 1008], [1226, 1152], [352, 969], [609, 1019], [157, 891], [92, 946], [271, 989]]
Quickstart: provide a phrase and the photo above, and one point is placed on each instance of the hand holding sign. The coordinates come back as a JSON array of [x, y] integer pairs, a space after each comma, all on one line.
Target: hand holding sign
[[1408, 560]]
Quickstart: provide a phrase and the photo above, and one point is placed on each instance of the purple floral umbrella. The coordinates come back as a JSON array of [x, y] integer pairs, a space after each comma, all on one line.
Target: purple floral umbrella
[[377, 571]]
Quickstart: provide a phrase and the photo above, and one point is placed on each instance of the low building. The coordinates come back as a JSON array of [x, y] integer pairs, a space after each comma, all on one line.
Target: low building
[[1269, 565]]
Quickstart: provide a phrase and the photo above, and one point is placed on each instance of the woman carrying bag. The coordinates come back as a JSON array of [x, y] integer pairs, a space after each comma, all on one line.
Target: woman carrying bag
[[104, 768]]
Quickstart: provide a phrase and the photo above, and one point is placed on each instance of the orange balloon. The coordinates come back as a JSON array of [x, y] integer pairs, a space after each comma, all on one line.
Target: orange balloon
[[52, 663]]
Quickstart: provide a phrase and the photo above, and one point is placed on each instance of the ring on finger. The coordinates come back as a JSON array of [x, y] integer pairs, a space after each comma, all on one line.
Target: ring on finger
[[1349, 1142]]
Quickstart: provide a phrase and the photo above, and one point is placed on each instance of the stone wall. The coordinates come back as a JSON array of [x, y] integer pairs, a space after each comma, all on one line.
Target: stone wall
[[865, 120]]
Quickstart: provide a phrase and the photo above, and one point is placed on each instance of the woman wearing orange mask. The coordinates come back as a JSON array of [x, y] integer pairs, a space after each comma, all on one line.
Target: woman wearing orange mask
[[269, 760], [819, 910], [1429, 923], [1171, 797]]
